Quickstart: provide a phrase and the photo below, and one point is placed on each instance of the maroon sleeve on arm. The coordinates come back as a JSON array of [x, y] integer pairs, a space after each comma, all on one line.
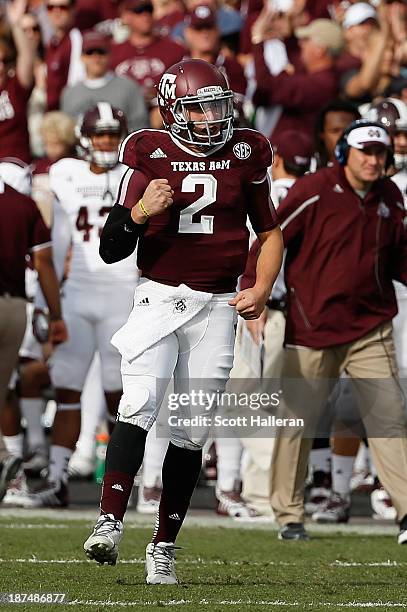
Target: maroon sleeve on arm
[[261, 211], [248, 278], [262, 159], [132, 187], [292, 210]]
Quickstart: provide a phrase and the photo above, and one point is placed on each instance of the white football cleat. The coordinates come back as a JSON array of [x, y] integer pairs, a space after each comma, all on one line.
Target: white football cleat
[[80, 466], [8, 470], [160, 563], [335, 509], [103, 544], [18, 493], [231, 503], [316, 497], [148, 500], [382, 505]]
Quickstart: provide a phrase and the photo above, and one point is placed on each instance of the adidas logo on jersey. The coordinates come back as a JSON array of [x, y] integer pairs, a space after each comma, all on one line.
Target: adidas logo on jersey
[[157, 154], [118, 487], [175, 517], [144, 302]]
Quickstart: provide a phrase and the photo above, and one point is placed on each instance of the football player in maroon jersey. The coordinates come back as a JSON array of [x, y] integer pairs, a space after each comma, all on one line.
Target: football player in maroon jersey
[[184, 199]]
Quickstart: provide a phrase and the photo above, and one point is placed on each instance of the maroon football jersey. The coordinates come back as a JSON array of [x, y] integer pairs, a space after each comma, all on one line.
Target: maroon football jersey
[[202, 239]]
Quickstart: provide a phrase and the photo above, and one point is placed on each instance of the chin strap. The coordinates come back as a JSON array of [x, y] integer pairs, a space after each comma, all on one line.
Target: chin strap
[[105, 159]]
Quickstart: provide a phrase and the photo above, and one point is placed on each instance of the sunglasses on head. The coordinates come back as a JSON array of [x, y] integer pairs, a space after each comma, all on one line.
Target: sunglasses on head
[[138, 10], [95, 51], [60, 7]]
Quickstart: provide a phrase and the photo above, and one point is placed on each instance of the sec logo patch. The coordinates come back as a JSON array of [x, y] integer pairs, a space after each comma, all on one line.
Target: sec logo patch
[[242, 150]]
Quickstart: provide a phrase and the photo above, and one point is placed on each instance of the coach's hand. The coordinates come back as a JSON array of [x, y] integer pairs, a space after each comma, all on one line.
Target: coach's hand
[[256, 327], [249, 303], [156, 199]]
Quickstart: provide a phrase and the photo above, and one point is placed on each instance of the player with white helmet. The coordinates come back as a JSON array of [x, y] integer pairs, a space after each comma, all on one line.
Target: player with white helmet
[[97, 298]]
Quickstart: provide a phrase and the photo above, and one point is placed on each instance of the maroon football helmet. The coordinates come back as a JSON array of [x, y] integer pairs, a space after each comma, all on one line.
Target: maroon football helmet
[[196, 104], [392, 114], [101, 119]]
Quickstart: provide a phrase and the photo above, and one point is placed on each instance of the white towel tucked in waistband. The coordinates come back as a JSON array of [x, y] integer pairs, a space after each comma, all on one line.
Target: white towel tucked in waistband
[[158, 311]]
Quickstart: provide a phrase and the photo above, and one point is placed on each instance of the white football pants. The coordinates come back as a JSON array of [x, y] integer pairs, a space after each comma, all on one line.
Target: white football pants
[[200, 349]]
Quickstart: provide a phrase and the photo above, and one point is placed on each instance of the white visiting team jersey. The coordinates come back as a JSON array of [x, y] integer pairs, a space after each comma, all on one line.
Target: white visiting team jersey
[[83, 201]]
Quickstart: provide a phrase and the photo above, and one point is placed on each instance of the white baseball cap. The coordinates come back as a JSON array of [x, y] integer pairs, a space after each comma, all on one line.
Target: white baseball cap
[[358, 13], [366, 135]]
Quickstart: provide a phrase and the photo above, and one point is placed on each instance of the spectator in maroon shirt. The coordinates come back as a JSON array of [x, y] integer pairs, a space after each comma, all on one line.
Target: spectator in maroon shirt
[[202, 37], [302, 95], [63, 53], [16, 84], [144, 56]]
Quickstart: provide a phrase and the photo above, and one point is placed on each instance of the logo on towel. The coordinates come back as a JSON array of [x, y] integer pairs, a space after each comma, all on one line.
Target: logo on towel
[[180, 306]]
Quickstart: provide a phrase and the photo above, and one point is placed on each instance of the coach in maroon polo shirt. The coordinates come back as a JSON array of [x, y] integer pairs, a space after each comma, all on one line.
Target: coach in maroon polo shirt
[[22, 230], [302, 95], [344, 229]]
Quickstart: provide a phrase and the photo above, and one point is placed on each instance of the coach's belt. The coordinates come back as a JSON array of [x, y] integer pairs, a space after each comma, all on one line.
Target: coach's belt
[[280, 304]]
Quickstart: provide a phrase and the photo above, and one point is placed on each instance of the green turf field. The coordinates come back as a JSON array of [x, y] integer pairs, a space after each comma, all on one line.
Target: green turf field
[[220, 569]]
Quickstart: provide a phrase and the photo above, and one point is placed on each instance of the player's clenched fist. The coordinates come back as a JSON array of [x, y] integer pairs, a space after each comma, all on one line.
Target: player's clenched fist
[[157, 197], [249, 303]]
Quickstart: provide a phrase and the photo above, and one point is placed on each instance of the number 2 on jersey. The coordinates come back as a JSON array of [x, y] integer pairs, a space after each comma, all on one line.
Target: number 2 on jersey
[[189, 185]]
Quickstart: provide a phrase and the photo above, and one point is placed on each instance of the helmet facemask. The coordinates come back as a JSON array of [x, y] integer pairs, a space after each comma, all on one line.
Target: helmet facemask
[[204, 120], [104, 159]]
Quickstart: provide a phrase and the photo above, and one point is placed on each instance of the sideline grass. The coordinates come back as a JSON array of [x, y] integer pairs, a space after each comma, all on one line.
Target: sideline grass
[[220, 569]]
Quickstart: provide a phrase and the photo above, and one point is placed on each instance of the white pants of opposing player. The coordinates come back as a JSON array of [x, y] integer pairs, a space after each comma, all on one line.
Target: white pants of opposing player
[[202, 349], [92, 314], [400, 331]]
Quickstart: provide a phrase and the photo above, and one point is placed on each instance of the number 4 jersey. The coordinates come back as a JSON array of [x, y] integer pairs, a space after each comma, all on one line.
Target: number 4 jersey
[[83, 201], [202, 239]]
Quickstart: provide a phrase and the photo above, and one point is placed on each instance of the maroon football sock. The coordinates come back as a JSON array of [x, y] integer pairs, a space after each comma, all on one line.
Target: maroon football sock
[[180, 473], [116, 491], [123, 460]]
